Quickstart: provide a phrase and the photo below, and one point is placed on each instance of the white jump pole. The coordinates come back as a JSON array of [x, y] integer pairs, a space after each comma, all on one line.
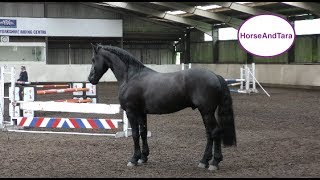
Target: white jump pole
[[182, 66], [74, 100], [241, 77], [126, 125], [253, 67], [12, 94], [53, 86], [234, 84], [189, 65], [1, 96], [27, 83], [70, 107], [247, 77], [46, 85], [237, 80]]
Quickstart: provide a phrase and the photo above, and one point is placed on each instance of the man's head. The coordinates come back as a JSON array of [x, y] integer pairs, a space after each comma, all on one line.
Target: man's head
[[23, 68]]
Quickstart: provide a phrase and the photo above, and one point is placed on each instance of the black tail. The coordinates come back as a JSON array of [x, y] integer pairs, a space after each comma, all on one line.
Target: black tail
[[225, 114]]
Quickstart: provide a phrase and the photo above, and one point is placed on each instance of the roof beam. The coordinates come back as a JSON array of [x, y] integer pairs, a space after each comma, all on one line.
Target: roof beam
[[233, 22], [310, 6], [245, 9], [131, 14], [204, 27]]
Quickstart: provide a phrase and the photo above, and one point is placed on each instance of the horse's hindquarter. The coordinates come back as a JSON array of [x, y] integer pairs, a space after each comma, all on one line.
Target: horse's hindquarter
[[203, 87]]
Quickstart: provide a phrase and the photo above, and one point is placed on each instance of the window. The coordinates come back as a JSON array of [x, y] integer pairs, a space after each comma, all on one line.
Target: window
[[228, 34], [307, 27], [22, 51], [224, 34]]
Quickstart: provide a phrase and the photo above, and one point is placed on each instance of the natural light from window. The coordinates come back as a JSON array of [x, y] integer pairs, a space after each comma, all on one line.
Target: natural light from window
[[227, 33], [176, 12], [207, 7], [243, 2], [307, 26], [213, 6], [301, 27]]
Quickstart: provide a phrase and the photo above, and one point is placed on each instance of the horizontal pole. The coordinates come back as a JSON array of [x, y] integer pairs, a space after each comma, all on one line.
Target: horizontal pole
[[21, 82], [74, 100], [70, 107], [238, 91], [55, 91], [52, 86], [44, 86], [234, 84], [234, 80], [233, 90]]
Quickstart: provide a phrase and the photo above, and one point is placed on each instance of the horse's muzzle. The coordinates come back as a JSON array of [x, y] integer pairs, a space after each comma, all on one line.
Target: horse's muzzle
[[92, 80]]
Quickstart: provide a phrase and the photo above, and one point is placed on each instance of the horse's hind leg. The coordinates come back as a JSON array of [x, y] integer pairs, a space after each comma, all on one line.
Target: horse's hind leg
[[217, 156], [209, 123]]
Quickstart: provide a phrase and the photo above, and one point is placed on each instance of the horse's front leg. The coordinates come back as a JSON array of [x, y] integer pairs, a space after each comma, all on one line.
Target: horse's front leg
[[144, 133], [133, 120]]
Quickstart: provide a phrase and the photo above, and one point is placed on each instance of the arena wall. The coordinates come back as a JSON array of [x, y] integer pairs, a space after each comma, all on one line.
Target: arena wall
[[277, 74]]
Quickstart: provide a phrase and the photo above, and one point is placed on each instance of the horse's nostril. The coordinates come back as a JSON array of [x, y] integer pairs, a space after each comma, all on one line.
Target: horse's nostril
[[90, 79]]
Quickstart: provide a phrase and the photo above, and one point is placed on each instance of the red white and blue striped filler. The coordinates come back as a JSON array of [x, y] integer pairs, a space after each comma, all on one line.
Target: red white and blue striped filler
[[76, 123]]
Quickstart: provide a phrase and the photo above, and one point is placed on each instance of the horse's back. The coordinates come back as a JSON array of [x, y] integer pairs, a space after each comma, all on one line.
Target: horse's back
[[201, 78]]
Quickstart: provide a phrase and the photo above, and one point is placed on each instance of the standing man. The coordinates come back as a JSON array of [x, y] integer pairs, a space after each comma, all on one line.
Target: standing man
[[23, 76], [21, 81]]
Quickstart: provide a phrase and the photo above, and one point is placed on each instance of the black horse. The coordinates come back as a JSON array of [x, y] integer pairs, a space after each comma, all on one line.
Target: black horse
[[144, 91]]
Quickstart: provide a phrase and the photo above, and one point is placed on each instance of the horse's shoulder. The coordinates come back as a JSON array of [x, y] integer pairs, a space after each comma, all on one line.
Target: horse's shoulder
[[131, 87]]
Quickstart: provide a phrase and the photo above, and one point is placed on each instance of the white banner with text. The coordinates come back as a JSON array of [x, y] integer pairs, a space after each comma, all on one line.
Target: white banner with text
[[19, 26]]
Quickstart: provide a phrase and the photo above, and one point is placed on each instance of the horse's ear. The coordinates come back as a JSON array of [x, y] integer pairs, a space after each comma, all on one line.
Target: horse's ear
[[95, 48]]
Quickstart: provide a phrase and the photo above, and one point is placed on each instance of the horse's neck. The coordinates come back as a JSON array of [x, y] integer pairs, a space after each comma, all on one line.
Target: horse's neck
[[119, 70], [124, 73]]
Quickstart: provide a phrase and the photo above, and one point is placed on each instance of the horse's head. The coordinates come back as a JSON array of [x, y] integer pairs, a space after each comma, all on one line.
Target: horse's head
[[99, 64]]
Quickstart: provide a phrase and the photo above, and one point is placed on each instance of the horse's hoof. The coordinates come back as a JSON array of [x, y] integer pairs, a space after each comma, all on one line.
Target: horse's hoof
[[130, 164], [140, 161], [201, 165], [213, 168]]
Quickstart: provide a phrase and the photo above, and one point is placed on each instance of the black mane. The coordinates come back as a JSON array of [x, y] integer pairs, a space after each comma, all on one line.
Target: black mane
[[125, 56]]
